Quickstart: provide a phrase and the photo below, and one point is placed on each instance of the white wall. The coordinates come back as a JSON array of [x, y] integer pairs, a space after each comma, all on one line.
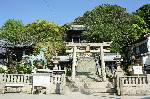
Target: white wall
[[148, 44]]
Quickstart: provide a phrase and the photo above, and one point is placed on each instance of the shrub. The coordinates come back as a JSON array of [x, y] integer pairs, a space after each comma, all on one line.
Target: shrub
[[24, 68]]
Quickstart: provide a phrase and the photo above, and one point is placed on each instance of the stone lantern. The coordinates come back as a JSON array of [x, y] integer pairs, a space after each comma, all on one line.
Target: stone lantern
[[119, 71], [118, 60], [56, 63]]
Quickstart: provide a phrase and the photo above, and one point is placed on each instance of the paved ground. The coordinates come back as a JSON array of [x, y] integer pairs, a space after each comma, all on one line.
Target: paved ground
[[75, 95]]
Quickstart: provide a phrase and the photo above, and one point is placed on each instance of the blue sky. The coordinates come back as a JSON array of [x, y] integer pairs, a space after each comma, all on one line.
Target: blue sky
[[58, 11]]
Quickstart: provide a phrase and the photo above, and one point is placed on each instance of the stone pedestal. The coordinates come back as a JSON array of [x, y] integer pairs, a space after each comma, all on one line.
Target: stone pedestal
[[41, 80], [2, 89], [27, 89]]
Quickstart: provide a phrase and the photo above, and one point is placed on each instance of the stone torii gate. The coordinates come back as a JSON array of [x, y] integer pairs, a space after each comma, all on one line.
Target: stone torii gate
[[99, 48]]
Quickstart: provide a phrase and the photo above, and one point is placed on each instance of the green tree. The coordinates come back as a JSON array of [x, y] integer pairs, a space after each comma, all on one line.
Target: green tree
[[12, 30], [102, 22], [111, 23], [48, 35], [144, 13]]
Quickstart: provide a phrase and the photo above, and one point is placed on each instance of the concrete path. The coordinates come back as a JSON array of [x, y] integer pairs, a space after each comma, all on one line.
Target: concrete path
[[74, 95]]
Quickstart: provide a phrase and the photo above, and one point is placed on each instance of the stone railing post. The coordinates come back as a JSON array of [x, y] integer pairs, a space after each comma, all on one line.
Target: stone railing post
[[1, 84], [121, 80], [148, 78], [148, 81], [1, 78], [117, 83]]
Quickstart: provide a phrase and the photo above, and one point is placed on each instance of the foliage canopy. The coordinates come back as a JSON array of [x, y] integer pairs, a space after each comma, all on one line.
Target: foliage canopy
[[48, 35], [144, 13], [112, 23]]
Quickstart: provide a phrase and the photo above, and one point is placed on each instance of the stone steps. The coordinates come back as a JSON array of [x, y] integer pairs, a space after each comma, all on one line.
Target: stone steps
[[87, 81], [99, 87], [96, 84], [97, 90]]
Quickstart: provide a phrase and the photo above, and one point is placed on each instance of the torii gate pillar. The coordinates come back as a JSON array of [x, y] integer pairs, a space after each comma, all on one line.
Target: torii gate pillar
[[74, 63], [103, 64]]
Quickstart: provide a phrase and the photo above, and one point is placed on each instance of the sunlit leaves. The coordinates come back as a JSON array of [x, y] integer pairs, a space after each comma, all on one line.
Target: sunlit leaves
[[40, 33], [112, 23], [12, 30], [47, 35], [144, 13]]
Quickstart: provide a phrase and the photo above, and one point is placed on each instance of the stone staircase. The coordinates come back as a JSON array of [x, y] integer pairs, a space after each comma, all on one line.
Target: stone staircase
[[86, 69], [87, 82]]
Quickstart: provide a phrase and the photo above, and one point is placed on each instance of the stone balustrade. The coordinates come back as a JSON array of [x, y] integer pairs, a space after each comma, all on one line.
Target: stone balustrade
[[15, 83], [16, 78], [128, 80], [134, 85], [26, 82]]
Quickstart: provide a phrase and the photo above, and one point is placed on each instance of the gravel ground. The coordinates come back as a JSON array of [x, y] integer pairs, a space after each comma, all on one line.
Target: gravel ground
[[74, 95]]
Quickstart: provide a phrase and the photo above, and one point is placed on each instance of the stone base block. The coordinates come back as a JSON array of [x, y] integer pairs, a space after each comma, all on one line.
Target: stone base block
[[57, 89], [27, 89], [2, 89]]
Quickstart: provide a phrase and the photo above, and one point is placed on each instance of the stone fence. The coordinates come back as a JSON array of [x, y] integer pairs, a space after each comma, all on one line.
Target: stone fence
[[28, 82], [16, 78], [134, 85], [15, 83]]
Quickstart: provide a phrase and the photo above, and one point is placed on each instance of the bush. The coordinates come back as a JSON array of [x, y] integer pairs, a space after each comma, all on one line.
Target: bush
[[2, 70], [24, 68]]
